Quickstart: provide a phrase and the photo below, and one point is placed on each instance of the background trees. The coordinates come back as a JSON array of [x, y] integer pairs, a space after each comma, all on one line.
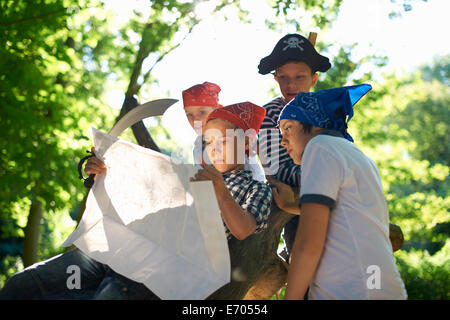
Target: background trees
[[59, 57], [46, 98], [405, 129]]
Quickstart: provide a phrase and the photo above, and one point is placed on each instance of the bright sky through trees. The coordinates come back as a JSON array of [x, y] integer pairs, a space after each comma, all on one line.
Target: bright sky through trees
[[228, 52]]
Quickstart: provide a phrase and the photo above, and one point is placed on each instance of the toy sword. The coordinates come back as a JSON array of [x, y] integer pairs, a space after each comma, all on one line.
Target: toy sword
[[146, 110]]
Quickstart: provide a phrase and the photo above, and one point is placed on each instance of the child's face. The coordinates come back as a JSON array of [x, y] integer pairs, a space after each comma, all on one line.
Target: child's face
[[293, 78], [295, 138], [197, 116], [224, 148]]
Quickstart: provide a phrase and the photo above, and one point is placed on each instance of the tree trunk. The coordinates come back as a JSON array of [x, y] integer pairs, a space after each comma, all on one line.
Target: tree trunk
[[254, 257], [32, 234], [140, 132]]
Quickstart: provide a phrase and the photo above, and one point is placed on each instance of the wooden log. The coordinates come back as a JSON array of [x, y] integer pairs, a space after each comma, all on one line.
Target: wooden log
[[253, 257], [396, 237]]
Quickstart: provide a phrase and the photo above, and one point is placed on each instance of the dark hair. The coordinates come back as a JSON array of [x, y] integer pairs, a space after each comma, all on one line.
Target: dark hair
[[307, 128], [339, 113]]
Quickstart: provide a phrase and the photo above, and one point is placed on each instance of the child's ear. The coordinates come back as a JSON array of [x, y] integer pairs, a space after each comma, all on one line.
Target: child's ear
[[247, 146], [314, 79], [316, 130]]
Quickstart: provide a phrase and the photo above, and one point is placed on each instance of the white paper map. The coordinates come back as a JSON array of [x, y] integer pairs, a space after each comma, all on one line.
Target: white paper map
[[147, 222]]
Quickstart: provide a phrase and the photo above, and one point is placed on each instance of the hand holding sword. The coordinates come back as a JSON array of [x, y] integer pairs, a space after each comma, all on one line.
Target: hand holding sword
[[94, 165]]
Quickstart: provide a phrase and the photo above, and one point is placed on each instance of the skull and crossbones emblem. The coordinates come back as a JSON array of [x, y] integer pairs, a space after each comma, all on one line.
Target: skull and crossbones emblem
[[293, 43]]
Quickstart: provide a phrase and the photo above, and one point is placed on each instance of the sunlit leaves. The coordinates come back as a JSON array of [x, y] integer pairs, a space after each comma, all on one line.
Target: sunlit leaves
[[319, 12], [425, 275], [45, 93]]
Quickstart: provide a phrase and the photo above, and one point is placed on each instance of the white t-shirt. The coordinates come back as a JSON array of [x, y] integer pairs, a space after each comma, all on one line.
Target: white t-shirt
[[357, 261]]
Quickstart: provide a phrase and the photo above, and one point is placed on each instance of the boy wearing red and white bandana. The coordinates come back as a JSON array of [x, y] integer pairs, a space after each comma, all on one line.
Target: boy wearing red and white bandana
[[244, 202], [199, 101]]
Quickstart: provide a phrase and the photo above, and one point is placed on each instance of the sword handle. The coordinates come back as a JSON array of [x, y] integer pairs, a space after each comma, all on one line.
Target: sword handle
[[88, 182], [312, 38]]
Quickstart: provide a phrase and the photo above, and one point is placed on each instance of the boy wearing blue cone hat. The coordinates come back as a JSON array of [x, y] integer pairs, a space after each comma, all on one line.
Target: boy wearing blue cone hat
[[342, 248]]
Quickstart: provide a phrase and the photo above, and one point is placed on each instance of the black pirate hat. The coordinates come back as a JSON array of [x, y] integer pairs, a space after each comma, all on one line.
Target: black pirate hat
[[294, 47]]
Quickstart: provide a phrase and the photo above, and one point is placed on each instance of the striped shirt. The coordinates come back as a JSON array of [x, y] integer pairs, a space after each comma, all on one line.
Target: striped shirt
[[274, 157], [253, 196]]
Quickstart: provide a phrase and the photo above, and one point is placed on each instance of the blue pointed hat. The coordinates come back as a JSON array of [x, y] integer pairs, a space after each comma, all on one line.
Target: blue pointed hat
[[328, 109]]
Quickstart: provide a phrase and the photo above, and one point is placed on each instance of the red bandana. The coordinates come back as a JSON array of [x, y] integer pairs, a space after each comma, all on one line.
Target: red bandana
[[245, 115], [206, 94]]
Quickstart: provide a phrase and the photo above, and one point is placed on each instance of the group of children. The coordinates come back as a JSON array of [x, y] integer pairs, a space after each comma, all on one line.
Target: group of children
[[343, 230]]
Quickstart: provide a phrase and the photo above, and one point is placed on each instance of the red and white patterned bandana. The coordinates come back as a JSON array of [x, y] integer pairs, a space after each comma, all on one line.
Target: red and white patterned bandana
[[245, 115], [205, 94]]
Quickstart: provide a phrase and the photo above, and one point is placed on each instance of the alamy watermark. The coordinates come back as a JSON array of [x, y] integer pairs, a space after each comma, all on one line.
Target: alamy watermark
[[74, 280], [374, 279]]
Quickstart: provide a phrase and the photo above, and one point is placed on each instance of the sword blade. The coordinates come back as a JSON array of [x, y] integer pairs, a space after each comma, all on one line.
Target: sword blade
[[148, 109]]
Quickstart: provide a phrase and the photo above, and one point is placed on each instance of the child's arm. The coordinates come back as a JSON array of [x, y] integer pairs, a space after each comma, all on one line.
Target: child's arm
[[240, 223], [307, 250]]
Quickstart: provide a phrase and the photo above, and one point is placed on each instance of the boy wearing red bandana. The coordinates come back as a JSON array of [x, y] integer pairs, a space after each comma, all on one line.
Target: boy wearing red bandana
[[244, 202], [199, 101]]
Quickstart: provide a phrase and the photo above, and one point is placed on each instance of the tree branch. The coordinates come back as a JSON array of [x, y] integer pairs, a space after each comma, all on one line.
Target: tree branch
[[133, 87]]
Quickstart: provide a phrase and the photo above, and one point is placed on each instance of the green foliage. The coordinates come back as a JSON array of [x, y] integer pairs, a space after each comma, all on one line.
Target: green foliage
[[425, 275], [321, 12], [427, 119], [439, 70], [47, 93], [344, 67], [403, 125]]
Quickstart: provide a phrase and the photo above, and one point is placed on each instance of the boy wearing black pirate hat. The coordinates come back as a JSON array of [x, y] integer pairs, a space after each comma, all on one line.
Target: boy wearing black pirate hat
[[294, 62]]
